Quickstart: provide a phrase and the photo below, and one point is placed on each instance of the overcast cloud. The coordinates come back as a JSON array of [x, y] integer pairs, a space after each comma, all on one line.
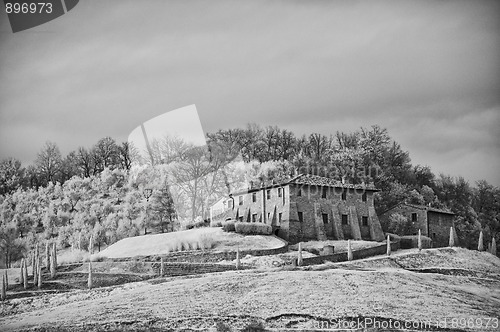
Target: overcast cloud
[[428, 71]]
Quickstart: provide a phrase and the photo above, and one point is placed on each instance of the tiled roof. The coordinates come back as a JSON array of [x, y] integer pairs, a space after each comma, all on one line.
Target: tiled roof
[[421, 207], [305, 179], [315, 180]]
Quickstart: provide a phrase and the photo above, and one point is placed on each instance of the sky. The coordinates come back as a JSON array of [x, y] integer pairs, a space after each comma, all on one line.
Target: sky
[[428, 71]]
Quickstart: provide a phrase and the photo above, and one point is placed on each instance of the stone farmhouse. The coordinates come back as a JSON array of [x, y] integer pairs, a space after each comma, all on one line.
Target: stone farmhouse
[[309, 207], [433, 223]]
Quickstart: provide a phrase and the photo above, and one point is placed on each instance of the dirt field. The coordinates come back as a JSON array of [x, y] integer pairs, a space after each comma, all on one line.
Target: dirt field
[[359, 292]]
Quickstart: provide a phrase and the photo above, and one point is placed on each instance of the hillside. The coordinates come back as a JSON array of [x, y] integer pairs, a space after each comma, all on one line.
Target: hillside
[[282, 298], [206, 238]]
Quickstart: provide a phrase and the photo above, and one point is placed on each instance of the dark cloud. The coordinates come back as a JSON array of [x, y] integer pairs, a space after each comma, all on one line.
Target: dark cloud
[[426, 70]]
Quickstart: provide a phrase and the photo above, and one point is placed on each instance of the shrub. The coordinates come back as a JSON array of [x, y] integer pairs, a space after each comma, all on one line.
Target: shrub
[[228, 226], [399, 224], [411, 241], [250, 228], [198, 223], [221, 327], [216, 223], [254, 326]]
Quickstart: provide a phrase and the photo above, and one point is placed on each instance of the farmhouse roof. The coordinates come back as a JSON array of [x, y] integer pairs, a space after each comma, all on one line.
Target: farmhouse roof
[[315, 180], [306, 179]]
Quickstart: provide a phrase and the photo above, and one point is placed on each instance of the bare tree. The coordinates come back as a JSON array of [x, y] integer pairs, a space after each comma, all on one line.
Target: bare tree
[[48, 162]]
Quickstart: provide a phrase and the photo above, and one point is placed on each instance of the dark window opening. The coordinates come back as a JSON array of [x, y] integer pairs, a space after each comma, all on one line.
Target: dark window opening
[[269, 216], [344, 219], [364, 220], [363, 197], [325, 218], [299, 193], [241, 218], [301, 218], [254, 217], [344, 195], [323, 194], [280, 192], [254, 197], [279, 216], [268, 193], [414, 217]]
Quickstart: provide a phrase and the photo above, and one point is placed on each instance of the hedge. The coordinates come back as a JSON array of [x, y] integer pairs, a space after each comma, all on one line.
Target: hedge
[[411, 241], [250, 228], [228, 226]]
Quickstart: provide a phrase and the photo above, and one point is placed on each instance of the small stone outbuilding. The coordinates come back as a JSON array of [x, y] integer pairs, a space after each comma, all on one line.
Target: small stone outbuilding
[[433, 223]]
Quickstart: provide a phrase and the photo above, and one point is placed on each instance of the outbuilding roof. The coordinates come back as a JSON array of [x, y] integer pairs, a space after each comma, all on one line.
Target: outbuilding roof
[[420, 207]]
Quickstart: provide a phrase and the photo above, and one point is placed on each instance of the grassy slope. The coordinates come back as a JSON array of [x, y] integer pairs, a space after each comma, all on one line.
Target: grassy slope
[[161, 243], [235, 296]]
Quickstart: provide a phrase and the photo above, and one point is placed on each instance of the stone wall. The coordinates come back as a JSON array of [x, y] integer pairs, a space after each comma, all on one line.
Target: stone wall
[[266, 209], [183, 268], [439, 228], [313, 206], [357, 254]]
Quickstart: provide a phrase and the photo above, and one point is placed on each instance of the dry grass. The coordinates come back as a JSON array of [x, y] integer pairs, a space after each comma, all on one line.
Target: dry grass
[[184, 303], [193, 239], [75, 256]]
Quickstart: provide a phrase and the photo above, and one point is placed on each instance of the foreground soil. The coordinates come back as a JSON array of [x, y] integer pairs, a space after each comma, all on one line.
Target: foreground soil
[[379, 290]]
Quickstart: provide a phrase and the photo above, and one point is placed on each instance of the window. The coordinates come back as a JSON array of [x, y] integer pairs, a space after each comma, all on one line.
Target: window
[[344, 194], [269, 216], [363, 197], [241, 218], [364, 220], [254, 197], [299, 193], [301, 218], [240, 200], [414, 217], [280, 192], [229, 203], [323, 193], [325, 218], [280, 216], [268, 193], [344, 219], [433, 235], [254, 217]]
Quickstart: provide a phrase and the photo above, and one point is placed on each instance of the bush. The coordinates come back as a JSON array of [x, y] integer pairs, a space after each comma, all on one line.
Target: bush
[[250, 228], [399, 224], [221, 327], [215, 223], [198, 223], [228, 226], [411, 241], [254, 326]]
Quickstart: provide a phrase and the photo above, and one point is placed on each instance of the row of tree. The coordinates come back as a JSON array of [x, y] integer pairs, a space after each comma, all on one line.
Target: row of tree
[[51, 166], [109, 192]]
